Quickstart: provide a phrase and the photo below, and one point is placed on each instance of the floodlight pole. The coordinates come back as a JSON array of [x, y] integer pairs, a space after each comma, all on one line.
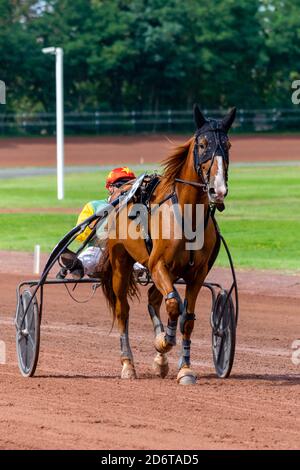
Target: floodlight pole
[[58, 51], [60, 122]]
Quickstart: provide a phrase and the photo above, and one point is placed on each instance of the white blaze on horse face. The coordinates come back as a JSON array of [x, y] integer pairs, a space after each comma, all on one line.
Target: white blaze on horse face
[[219, 183]]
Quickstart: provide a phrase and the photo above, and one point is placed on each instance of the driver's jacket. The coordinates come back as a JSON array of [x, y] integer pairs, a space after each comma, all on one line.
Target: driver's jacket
[[89, 209]]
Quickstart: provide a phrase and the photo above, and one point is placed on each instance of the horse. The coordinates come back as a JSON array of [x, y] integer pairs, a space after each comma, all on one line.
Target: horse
[[195, 173]]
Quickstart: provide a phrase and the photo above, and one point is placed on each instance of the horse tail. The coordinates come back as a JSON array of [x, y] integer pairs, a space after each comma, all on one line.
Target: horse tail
[[105, 268], [107, 284], [133, 289]]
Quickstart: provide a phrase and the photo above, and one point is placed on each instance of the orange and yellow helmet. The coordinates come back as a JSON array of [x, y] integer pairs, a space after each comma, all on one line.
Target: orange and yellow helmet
[[117, 174]]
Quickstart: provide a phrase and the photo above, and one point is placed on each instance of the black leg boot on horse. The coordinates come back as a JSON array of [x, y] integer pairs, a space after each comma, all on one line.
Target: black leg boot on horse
[[164, 341], [160, 363]]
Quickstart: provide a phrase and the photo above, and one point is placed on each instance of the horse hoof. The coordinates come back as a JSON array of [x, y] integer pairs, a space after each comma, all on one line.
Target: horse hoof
[[161, 345], [128, 372], [160, 365], [186, 376]]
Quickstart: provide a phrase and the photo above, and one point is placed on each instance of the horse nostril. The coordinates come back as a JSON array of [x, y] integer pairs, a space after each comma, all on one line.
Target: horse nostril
[[212, 191]]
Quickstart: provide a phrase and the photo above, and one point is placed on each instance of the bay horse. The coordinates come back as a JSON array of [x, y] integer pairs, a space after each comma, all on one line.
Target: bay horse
[[196, 173]]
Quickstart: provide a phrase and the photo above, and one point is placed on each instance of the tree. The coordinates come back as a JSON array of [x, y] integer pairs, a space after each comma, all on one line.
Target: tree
[[150, 54]]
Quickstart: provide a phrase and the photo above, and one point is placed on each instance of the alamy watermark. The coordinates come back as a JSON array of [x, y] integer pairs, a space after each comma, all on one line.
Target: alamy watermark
[[296, 93], [166, 223], [296, 352], [2, 352], [2, 92]]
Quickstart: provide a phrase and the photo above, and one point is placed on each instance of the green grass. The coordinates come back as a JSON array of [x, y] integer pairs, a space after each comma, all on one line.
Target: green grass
[[261, 223], [40, 191], [23, 231], [262, 218]]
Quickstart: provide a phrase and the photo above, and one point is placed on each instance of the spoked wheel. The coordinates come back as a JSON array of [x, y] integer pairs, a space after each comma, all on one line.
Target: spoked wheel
[[223, 334], [28, 334]]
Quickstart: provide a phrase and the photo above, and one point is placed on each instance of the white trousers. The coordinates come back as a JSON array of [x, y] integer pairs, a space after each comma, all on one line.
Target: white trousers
[[90, 258]]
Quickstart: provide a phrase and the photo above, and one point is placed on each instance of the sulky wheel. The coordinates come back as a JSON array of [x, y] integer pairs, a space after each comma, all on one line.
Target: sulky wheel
[[28, 334], [223, 334]]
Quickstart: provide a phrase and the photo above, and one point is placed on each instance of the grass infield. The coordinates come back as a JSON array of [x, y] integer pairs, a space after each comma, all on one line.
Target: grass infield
[[261, 222]]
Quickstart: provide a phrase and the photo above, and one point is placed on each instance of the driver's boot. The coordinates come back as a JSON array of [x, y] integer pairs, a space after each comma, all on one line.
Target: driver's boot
[[72, 263]]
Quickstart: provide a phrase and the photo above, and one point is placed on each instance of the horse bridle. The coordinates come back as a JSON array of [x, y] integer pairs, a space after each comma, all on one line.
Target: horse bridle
[[216, 136]]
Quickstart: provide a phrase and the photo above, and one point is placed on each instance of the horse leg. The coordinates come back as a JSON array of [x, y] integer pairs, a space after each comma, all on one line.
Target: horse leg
[[186, 375], [160, 363], [121, 272], [164, 341]]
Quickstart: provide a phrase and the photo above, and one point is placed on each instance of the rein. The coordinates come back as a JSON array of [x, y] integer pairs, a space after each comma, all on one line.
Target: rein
[[85, 301], [193, 183]]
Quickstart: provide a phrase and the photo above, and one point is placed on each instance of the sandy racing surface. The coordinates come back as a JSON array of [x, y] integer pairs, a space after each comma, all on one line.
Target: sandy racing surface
[[77, 399], [124, 150]]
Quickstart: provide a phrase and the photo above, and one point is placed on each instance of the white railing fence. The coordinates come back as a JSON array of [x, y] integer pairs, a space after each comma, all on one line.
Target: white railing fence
[[102, 122]]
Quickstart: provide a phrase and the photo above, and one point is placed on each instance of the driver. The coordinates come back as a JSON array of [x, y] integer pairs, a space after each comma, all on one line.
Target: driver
[[87, 261]]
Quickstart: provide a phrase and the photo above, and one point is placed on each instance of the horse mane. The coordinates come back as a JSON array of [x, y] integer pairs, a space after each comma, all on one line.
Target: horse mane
[[173, 163]]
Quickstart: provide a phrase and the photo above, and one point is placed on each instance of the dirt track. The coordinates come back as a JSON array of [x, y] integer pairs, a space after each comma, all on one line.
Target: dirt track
[[77, 399], [125, 150]]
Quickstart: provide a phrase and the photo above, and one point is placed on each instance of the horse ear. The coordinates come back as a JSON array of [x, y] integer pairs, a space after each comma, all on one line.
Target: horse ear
[[198, 116], [227, 121]]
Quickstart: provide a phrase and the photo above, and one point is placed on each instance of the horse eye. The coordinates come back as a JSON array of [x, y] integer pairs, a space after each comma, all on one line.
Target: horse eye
[[202, 146]]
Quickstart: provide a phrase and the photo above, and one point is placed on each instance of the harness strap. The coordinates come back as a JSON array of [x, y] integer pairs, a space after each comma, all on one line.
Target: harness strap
[[174, 199], [169, 196], [148, 239], [148, 191], [192, 253], [192, 258], [192, 183]]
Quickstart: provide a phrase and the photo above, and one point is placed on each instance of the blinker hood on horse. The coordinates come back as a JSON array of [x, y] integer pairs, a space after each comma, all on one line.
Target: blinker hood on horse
[[195, 173]]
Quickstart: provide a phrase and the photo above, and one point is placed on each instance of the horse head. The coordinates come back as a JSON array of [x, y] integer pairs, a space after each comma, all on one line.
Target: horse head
[[211, 153]]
